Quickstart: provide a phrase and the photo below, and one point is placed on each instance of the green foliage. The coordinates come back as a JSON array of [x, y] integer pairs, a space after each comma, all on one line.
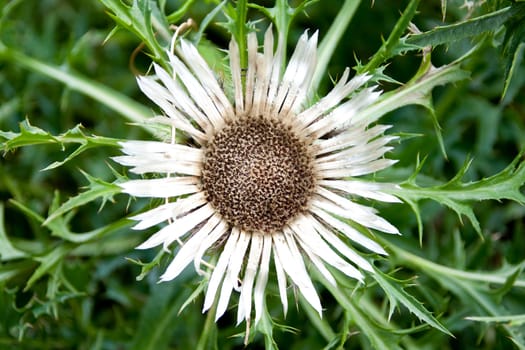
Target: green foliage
[[69, 274]]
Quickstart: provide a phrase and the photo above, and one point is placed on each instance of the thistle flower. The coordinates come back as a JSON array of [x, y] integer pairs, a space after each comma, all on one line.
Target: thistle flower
[[266, 178]]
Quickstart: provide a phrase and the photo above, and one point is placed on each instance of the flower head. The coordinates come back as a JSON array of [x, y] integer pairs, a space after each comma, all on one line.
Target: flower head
[[267, 179]]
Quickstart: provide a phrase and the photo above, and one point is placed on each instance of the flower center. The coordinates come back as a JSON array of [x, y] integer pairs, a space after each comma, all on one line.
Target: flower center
[[257, 174]]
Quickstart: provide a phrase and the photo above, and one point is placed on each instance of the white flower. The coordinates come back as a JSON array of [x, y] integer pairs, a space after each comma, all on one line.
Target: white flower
[[266, 177]]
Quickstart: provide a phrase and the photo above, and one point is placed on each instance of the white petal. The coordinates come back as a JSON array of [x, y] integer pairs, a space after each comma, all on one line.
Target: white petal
[[341, 90], [158, 164], [178, 228], [181, 100], [232, 274], [347, 209], [164, 98], [301, 78], [250, 73], [262, 278], [245, 299], [161, 188], [281, 280], [154, 216], [292, 263], [342, 116], [219, 270], [207, 242], [297, 77], [187, 252], [358, 170], [366, 189], [170, 151], [263, 74], [273, 86], [312, 242], [235, 67], [341, 246], [353, 136], [206, 77], [359, 154], [350, 232], [236, 260], [197, 92]]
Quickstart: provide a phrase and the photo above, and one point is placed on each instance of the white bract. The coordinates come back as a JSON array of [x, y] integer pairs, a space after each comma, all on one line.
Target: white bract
[[268, 181]]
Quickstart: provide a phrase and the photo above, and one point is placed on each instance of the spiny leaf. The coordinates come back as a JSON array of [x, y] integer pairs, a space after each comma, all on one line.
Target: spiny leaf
[[47, 263], [465, 29], [97, 188], [396, 293], [417, 91], [391, 46], [144, 19], [30, 135], [458, 195]]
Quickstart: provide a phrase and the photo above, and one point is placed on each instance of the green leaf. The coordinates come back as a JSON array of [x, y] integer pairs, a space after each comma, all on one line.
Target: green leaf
[[396, 294], [156, 318], [458, 195], [30, 135], [48, 262], [120, 103], [514, 45], [469, 28], [144, 19], [391, 46], [512, 320], [97, 188], [7, 250], [417, 91], [378, 337]]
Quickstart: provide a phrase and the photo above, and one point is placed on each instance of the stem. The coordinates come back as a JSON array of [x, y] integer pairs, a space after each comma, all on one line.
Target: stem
[[208, 328], [242, 10], [385, 50]]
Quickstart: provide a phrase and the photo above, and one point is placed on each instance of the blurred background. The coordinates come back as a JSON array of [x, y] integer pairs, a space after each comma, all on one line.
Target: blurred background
[[89, 298]]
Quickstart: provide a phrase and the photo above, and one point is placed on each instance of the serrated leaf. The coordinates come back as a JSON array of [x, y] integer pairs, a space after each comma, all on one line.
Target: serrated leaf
[[28, 135], [469, 28], [458, 196], [147, 267], [392, 45], [47, 263], [378, 337], [97, 188], [396, 294], [144, 19]]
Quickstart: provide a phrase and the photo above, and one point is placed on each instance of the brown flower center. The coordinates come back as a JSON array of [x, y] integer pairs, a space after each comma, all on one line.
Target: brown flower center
[[257, 174]]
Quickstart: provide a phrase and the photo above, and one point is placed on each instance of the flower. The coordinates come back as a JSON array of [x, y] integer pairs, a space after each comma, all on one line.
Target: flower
[[265, 177]]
